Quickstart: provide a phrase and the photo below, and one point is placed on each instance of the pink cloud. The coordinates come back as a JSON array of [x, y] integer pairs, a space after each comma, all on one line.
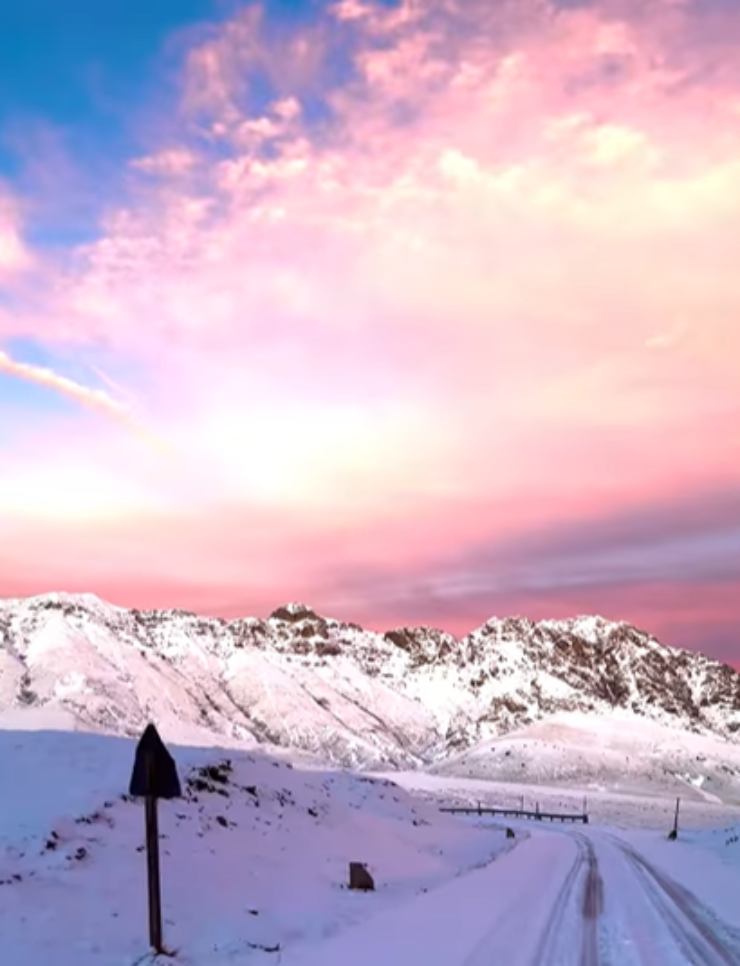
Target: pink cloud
[[14, 254], [172, 162], [491, 287], [95, 399]]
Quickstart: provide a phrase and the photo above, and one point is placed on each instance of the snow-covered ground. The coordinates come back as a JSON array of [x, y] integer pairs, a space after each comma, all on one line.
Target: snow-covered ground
[[255, 856], [572, 898], [604, 807], [615, 750]]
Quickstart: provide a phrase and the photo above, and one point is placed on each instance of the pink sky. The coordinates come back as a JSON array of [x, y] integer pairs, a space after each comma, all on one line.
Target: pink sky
[[446, 326]]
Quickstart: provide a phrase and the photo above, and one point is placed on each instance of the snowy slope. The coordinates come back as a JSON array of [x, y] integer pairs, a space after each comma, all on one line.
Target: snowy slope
[[254, 856], [408, 697], [254, 861], [616, 750]]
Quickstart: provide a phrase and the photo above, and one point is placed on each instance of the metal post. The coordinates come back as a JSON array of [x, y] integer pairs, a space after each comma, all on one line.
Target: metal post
[[152, 862], [675, 820]]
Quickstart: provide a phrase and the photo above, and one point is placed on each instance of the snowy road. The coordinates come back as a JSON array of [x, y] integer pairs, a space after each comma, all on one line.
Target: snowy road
[[560, 898], [630, 912], [673, 922]]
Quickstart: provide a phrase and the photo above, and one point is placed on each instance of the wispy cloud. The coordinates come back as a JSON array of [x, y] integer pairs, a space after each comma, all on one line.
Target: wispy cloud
[[14, 254], [95, 400], [403, 268]]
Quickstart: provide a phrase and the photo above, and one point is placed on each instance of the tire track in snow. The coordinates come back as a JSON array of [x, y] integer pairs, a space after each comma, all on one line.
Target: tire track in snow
[[528, 924], [579, 901], [593, 906], [703, 939], [556, 921]]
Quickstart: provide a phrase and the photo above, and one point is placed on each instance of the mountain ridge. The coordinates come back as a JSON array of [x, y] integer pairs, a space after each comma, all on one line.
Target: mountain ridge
[[403, 698]]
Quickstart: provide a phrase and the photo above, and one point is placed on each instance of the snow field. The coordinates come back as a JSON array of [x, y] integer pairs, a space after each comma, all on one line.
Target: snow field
[[253, 857]]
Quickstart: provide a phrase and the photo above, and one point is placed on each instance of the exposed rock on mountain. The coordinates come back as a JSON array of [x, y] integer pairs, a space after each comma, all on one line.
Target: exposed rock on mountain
[[400, 699]]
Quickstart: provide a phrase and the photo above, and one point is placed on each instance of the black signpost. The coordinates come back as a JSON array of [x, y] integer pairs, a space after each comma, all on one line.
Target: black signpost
[[675, 820], [154, 776]]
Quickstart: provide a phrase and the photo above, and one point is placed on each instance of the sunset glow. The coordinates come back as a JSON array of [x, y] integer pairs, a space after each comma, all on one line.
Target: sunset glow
[[418, 311]]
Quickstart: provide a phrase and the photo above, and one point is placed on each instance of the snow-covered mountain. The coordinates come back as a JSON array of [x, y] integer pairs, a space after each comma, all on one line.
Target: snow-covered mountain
[[357, 697]]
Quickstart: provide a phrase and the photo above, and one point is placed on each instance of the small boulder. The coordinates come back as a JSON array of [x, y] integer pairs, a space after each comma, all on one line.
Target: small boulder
[[510, 833], [360, 878]]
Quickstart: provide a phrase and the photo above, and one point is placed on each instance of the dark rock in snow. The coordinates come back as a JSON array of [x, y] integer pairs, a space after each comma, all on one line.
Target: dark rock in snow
[[360, 878]]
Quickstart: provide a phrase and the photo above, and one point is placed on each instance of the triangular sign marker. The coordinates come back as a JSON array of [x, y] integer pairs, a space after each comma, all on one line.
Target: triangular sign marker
[[154, 774]]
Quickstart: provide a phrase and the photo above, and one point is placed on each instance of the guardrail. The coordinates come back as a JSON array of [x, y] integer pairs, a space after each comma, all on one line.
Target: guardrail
[[537, 815]]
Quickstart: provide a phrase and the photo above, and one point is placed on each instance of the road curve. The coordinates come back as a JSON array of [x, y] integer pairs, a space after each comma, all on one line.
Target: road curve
[[614, 908], [698, 934], [559, 898]]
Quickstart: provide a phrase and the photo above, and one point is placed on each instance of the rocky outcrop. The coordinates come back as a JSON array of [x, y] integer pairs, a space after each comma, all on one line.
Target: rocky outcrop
[[408, 696]]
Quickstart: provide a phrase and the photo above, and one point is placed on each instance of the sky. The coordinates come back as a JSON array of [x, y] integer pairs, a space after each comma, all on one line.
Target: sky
[[419, 311]]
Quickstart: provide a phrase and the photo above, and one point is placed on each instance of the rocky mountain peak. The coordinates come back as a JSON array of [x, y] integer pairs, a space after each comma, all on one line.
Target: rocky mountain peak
[[297, 678], [293, 612]]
